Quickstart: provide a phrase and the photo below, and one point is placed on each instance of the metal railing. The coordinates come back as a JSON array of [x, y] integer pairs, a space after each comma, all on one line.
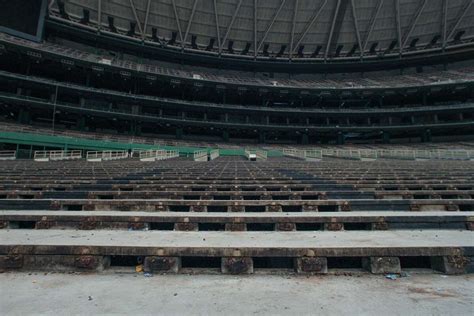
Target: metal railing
[[295, 153], [106, 155], [214, 154], [159, 154], [56, 155], [7, 154], [261, 155], [313, 154], [200, 155]]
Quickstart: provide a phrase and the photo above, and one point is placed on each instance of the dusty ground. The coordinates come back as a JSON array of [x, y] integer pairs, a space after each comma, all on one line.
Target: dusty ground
[[72, 294]]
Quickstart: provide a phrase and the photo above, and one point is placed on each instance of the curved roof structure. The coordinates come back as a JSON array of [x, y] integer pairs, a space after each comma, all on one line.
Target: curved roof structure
[[287, 29]]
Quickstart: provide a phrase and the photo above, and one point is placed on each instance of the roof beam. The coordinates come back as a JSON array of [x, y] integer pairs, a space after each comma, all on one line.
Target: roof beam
[[399, 27], [190, 21], [50, 5], [217, 26], [99, 15], [229, 28], [146, 18], [444, 22], [255, 25], [356, 26], [310, 24], [414, 22], [373, 19], [331, 31], [461, 15], [293, 23], [139, 24], [271, 24], [177, 20]]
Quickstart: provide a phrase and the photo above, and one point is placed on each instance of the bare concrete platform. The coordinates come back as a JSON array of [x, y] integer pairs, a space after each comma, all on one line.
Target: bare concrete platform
[[226, 243], [86, 294]]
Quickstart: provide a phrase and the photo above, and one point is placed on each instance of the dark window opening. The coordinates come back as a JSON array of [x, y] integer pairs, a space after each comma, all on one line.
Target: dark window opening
[[73, 207], [179, 208], [291, 208], [327, 208], [211, 226], [344, 263], [254, 209], [415, 262], [217, 209], [309, 226], [22, 225], [357, 226], [125, 261], [260, 227], [161, 226], [200, 262], [273, 263]]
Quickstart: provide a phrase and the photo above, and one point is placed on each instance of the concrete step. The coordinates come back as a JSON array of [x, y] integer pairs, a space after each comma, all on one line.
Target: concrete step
[[195, 221], [235, 195], [257, 206], [237, 252]]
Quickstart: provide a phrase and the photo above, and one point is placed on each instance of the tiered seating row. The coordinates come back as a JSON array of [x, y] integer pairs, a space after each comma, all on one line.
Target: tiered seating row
[[237, 216]]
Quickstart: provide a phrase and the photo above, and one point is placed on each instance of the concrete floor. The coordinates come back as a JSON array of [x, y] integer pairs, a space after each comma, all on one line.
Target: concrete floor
[[73, 294]]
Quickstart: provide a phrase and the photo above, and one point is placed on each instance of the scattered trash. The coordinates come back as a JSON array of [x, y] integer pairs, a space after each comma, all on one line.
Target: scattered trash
[[90, 298], [175, 294], [139, 268], [444, 276], [147, 274], [391, 276]]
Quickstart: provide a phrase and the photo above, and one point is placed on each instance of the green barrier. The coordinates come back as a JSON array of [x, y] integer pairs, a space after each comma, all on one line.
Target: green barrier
[[70, 143]]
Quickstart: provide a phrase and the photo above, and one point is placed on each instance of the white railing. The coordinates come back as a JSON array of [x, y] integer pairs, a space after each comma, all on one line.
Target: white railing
[[159, 154], [106, 155], [168, 154], [250, 155], [261, 155], [422, 155], [457, 154], [146, 155], [295, 153], [56, 155], [200, 155], [368, 154], [314, 155], [402, 154], [214, 154], [7, 154], [348, 154]]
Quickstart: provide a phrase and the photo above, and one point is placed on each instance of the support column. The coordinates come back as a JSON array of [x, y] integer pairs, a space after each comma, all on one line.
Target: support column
[[261, 137], [311, 265], [237, 265], [426, 136], [304, 139], [162, 264], [179, 133], [340, 138], [382, 265], [450, 264], [385, 137], [225, 135], [81, 123]]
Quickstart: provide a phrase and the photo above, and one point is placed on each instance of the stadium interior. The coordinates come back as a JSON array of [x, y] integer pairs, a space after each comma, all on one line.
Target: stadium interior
[[237, 136]]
